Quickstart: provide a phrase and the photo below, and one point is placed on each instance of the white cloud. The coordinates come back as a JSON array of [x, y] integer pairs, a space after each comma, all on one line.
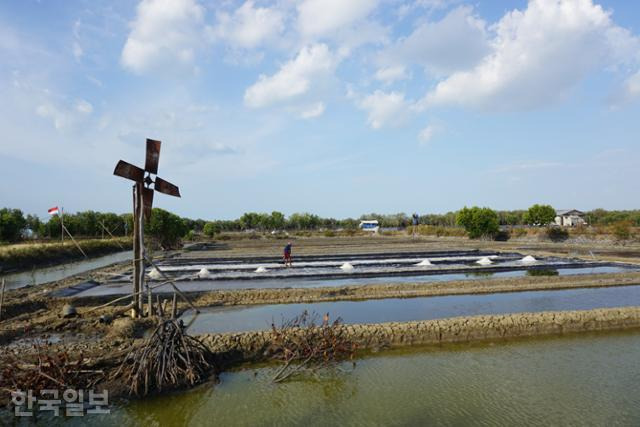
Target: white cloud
[[633, 85], [249, 26], [77, 50], [295, 78], [426, 134], [539, 55], [456, 42], [314, 110], [384, 108], [165, 34], [629, 91], [391, 74], [318, 18], [64, 116], [84, 107]]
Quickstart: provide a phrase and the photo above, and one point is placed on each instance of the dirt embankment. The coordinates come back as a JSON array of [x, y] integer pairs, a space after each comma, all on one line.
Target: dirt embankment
[[250, 345]]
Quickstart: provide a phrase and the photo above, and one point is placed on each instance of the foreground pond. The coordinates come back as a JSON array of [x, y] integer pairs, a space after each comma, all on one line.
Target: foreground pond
[[243, 318], [582, 380]]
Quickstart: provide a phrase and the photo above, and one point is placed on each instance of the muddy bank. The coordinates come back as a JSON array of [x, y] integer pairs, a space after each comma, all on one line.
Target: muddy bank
[[250, 345]]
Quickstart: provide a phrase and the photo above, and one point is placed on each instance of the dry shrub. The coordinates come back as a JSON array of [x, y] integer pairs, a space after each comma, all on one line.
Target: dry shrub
[[168, 359], [302, 346], [45, 369]]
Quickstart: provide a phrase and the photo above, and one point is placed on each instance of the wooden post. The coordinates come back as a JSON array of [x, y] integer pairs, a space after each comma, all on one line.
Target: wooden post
[[1, 298], [149, 301], [138, 256], [159, 307], [62, 223]]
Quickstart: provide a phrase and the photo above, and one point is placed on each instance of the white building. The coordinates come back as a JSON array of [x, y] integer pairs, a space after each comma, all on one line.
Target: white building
[[370, 225], [570, 218]]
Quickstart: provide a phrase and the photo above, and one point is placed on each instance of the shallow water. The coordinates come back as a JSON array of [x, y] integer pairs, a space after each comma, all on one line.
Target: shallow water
[[59, 272], [244, 318], [591, 379]]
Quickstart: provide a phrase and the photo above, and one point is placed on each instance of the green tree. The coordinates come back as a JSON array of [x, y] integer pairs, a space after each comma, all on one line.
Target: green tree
[[278, 220], [33, 223], [166, 228], [478, 222], [540, 215], [211, 229], [12, 223]]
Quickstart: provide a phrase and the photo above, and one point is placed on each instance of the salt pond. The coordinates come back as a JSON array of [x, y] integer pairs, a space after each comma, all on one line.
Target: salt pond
[[243, 318], [207, 285]]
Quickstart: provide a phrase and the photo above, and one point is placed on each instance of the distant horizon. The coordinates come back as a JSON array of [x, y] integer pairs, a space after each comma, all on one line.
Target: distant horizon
[[322, 106], [358, 216]]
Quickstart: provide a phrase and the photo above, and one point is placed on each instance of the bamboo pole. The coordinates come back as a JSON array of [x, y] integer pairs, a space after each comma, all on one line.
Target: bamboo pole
[[112, 236], [149, 301], [182, 295], [2, 297], [174, 306], [74, 241], [129, 295]]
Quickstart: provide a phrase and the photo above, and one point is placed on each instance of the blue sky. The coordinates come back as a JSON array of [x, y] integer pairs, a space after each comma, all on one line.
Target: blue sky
[[331, 107]]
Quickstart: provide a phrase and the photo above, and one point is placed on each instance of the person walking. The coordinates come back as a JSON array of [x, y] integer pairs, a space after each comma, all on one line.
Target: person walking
[[287, 255], [415, 222]]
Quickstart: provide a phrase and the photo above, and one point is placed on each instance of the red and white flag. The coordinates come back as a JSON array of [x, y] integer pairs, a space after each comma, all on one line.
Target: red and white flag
[[54, 211]]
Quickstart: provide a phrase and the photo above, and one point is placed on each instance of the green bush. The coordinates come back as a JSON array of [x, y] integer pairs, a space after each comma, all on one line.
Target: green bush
[[557, 234], [210, 229], [502, 236], [329, 233], [622, 230], [12, 222], [478, 222]]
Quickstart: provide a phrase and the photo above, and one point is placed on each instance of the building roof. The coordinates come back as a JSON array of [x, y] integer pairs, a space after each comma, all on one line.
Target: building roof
[[566, 212]]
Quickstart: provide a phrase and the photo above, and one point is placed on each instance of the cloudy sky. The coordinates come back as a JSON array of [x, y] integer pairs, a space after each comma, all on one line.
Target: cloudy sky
[[328, 106]]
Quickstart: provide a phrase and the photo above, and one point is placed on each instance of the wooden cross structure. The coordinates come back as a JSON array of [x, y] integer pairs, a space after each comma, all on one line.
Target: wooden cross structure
[[146, 182]]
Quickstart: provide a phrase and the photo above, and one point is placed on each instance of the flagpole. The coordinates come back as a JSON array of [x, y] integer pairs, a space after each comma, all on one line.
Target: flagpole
[[62, 223]]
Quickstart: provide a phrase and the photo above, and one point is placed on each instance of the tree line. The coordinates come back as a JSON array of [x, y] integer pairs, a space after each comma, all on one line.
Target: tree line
[[15, 226]]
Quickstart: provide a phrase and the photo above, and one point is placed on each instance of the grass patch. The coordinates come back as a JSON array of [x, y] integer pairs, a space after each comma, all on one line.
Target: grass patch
[[27, 256]]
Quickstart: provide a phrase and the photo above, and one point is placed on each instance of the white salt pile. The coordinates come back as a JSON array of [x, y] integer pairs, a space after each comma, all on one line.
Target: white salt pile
[[528, 259], [346, 267], [203, 273], [484, 261], [261, 269], [424, 262], [155, 274]]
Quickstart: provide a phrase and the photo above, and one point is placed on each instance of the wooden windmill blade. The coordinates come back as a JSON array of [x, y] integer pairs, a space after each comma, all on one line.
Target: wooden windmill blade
[[147, 202], [129, 171], [166, 187], [153, 156]]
